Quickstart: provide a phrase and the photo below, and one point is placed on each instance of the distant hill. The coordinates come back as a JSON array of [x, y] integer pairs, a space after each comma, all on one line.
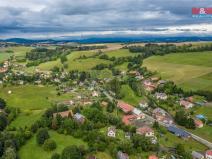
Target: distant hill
[[109, 40]]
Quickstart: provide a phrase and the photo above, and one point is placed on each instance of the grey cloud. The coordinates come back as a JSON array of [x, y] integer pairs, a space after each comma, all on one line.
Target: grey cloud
[[97, 15]]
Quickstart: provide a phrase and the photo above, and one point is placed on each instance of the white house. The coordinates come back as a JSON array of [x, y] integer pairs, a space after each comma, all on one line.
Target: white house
[[161, 96], [143, 104], [208, 154], [111, 132]]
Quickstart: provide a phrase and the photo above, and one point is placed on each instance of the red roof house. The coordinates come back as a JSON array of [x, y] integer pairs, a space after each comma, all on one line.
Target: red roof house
[[198, 123], [127, 119], [208, 154], [126, 108], [145, 130], [63, 114], [153, 157]]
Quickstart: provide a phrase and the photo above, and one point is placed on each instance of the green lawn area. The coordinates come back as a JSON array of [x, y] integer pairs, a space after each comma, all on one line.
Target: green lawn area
[[191, 71], [74, 63], [4, 56], [32, 101], [122, 67], [103, 155], [129, 96], [106, 73], [170, 140], [32, 151], [120, 53], [26, 118]]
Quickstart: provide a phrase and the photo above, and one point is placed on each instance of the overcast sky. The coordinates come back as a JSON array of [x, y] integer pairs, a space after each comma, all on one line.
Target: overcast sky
[[55, 18]]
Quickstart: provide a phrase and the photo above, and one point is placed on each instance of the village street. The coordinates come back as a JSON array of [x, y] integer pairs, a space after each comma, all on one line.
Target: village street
[[195, 137]]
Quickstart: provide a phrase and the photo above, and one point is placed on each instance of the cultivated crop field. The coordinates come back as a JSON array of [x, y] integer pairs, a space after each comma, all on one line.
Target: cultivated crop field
[[192, 71]]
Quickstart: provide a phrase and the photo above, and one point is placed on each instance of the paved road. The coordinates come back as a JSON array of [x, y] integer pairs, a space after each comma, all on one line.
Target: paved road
[[195, 137]]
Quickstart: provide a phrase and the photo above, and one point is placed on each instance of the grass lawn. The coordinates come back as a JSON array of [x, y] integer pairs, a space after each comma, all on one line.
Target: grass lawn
[[103, 155], [32, 101], [26, 118], [106, 73], [74, 63], [170, 140], [32, 151], [85, 64], [191, 71], [129, 96], [4, 56], [120, 53], [122, 67]]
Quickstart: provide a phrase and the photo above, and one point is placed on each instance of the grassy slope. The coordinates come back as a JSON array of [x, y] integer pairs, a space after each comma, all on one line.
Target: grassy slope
[[32, 151], [129, 96], [32, 101], [120, 53], [190, 70]]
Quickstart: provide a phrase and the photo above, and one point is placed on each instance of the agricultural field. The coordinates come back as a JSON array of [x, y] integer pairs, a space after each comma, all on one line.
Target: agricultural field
[[33, 151], [191, 71]]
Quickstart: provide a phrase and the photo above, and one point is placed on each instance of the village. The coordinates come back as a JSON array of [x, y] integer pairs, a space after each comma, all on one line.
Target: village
[[162, 108]]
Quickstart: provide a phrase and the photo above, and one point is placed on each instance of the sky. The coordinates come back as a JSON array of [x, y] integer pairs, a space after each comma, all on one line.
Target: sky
[[84, 18]]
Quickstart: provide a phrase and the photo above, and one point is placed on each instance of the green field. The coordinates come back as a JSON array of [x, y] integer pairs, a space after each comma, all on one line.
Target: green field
[[4, 56], [191, 71], [74, 63], [170, 140], [32, 151], [120, 53], [129, 96], [31, 100]]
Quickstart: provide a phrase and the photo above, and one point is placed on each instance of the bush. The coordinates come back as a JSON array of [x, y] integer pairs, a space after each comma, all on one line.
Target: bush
[[41, 136], [49, 145], [55, 156]]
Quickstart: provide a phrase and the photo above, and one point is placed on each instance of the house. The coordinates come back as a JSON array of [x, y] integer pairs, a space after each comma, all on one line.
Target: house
[[161, 82], [111, 132], [146, 131], [121, 155], [161, 96], [186, 104], [143, 104], [149, 86], [68, 102], [200, 116], [128, 135], [198, 123], [162, 116], [126, 108], [138, 113], [208, 154], [79, 118], [86, 102], [95, 94], [65, 114], [128, 119], [152, 157], [155, 79], [197, 155], [178, 132]]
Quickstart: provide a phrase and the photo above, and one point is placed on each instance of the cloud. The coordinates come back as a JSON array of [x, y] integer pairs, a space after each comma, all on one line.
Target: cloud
[[60, 17]]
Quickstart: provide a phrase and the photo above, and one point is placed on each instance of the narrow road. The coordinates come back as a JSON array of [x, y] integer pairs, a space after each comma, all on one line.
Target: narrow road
[[195, 137]]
